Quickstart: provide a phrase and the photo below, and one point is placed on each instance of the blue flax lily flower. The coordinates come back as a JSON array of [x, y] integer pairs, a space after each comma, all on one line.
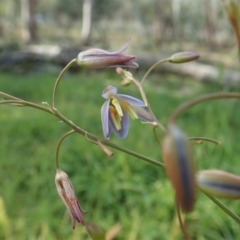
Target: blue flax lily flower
[[116, 110]]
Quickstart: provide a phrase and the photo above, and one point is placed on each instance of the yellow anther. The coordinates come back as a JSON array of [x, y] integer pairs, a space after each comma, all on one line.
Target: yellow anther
[[115, 117], [116, 104], [129, 110]]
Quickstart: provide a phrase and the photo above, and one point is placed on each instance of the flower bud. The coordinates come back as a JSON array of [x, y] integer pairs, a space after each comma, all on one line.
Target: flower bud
[[67, 194], [95, 231], [219, 183], [120, 71], [180, 167], [125, 82], [99, 58], [183, 57]]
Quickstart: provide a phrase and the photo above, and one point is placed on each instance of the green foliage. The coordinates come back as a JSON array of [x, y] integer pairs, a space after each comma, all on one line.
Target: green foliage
[[119, 189]]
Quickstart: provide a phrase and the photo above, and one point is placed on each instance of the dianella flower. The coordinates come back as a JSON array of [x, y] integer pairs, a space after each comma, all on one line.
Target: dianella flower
[[219, 183], [67, 194], [99, 58], [116, 110], [180, 167]]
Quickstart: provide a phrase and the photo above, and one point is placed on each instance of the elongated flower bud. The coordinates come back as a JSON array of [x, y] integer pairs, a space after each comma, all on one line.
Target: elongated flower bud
[[183, 57], [180, 167], [99, 58], [219, 183], [67, 194]]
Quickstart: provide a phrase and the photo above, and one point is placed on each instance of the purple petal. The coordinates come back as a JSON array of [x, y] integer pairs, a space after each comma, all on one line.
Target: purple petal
[[109, 92], [129, 64], [132, 101], [99, 52], [143, 114], [123, 132], [93, 52], [124, 48], [105, 119]]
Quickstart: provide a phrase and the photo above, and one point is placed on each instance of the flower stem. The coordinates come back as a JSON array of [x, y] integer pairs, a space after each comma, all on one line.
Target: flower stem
[[58, 147], [7, 96], [198, 100], [140, 88], [205, 139], [58, 80], [152, 67], [22, 103], [185, 234], [224, 208]]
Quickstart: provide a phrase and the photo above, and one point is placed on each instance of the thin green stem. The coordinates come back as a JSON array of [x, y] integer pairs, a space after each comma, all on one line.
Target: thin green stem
[[58, 80], [58, 147], [155, 135], [139, 86], [152, 67], [185, 234], [7, 96], [224, 208], [205, 139], [198, 100], [22, 103]]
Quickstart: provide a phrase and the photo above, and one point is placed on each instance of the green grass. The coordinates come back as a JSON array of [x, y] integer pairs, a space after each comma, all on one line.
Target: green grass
[[121, 189]]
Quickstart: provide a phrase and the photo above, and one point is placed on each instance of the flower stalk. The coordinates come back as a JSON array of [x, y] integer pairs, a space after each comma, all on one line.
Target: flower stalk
[[185, 106], [58, 147], [72, 62]]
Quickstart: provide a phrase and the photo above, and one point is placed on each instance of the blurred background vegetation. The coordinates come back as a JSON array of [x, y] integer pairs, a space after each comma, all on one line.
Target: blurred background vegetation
[[121, 189], [149, 23]]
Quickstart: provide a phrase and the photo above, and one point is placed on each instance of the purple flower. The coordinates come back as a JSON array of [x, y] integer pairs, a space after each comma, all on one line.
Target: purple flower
[[67, 194], [99, 58], [116, 110]]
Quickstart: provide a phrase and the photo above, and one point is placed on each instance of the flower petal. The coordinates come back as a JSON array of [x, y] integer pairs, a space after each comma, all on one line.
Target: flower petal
[[105, 119], [110, 60], [124, 48], [129, 64], [93, 52], [123, 132], [143, 114], [130, 100], [109, 92]]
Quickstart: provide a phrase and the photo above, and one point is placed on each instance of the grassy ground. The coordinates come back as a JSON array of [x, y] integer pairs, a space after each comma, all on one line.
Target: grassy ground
[[121, 189]]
